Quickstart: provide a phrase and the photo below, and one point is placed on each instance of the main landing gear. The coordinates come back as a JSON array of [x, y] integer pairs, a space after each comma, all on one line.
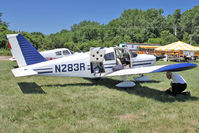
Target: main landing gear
[[125, 83], [128, 84]]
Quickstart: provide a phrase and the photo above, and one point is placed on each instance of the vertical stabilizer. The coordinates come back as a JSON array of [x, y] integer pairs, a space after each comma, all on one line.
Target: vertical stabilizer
[[23, 51]]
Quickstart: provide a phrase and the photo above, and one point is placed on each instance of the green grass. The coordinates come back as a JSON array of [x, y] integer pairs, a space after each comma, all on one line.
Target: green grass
[[5, 52], [62, 104]]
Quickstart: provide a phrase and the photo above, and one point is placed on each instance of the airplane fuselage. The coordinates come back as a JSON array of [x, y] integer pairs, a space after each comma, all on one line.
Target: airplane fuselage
[[80, 65]]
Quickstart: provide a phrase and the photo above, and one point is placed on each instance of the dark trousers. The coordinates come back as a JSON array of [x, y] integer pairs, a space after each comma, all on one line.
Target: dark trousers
[[178, 88]]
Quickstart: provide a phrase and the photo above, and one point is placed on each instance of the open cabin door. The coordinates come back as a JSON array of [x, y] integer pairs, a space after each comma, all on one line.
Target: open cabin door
[[123, 57], [106, 60], [96, 61], [109, 60]]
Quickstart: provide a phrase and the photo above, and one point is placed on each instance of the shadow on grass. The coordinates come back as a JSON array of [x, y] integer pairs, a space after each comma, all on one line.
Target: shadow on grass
[[158, 95], [144, 91], [71, 84], [31, 88]]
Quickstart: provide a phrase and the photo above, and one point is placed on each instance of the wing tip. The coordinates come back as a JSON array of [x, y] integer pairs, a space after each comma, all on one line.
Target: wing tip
[[176, 67]]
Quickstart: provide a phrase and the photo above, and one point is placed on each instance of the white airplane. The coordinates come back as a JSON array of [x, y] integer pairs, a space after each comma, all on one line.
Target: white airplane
[[52, 54], [97, 63]]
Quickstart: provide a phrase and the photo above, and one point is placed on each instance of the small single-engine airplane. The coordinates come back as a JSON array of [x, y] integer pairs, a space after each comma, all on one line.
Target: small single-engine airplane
[[52, 54], [97, 63]]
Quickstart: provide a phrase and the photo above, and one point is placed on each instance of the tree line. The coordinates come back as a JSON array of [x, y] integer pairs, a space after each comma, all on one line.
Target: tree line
[[136, 25]]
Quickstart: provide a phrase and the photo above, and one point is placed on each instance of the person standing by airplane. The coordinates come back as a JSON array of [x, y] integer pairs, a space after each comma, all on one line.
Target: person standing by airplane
[[178, 84]]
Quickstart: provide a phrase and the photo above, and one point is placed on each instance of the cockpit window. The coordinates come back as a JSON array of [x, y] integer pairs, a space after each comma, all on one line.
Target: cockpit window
[[66, 52], [109, 56], [58, 53]]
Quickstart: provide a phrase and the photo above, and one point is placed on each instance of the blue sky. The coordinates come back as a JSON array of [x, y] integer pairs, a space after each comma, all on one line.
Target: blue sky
[[51, 16]]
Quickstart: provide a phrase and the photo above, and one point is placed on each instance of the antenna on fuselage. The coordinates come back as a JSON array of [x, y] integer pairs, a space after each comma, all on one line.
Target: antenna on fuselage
[[77, 48]]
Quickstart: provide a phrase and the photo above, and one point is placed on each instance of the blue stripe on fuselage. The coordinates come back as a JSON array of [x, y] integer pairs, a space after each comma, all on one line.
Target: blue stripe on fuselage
[[45, 72]]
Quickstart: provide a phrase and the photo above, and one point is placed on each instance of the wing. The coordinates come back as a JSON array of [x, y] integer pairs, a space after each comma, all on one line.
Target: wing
[[152, 69]]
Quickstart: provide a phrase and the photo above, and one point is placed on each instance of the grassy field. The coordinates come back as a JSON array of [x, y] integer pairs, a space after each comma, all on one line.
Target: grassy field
[[57, 104]]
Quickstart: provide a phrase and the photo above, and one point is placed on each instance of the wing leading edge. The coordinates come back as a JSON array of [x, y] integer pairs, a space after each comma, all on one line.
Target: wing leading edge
[[153, 69]]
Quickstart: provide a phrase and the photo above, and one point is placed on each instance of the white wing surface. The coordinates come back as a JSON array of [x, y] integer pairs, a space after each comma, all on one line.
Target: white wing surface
[[23, 72], [152, 69]]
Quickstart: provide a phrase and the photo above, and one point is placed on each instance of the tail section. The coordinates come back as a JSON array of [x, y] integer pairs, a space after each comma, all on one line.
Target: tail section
[[23, 51]]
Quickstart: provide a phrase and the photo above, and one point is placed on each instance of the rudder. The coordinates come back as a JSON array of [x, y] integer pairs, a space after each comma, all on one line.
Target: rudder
[[23, 51]]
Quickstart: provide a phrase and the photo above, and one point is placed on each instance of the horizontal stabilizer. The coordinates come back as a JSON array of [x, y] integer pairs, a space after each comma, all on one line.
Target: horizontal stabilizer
[[23, 72]]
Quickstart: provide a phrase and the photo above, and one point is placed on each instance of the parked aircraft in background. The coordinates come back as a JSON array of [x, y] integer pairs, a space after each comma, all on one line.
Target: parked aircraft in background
[[53, 54], [97, 63], [56, 53]]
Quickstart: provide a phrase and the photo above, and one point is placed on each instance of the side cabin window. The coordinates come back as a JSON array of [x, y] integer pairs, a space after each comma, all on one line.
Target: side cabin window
[[109, 56], [66, 52], [58, 53], [134, 54]]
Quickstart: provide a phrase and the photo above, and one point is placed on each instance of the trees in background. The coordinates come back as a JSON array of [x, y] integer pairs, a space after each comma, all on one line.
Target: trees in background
[[135, 25], [190, 24], [3, 32]]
